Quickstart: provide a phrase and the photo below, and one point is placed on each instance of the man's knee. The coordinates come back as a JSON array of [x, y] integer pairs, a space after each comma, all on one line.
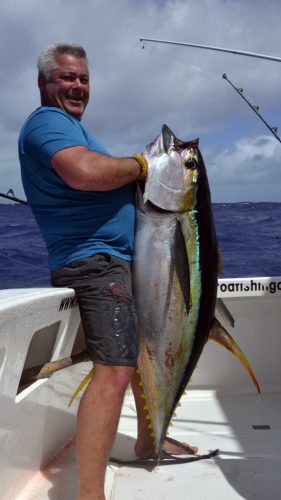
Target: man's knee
[[116, 377], [123, 376]]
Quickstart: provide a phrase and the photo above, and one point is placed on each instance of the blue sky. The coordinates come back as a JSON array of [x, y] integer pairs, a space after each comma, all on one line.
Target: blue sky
[[134, 91]]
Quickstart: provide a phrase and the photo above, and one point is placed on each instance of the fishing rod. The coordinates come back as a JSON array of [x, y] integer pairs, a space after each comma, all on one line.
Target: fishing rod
[[210, 47], [255, 108], [10, 196]]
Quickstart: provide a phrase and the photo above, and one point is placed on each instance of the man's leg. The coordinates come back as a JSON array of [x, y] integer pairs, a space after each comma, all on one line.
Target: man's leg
[[102, 284], [97, 422], [144, 445]]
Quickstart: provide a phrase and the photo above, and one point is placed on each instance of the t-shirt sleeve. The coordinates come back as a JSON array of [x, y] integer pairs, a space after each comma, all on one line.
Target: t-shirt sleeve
[[48, 132]]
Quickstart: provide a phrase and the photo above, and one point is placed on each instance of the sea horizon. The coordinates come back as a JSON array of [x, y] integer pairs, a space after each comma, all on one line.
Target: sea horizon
[[248, 233]]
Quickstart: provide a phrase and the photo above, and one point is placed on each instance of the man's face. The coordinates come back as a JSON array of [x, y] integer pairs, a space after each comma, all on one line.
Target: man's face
[[67, 87]]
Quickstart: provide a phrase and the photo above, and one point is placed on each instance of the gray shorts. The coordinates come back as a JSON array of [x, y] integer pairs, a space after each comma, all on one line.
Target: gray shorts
[[103, 288]]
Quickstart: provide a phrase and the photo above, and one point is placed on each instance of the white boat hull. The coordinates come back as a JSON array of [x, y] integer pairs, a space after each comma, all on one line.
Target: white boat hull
[[221, 408]]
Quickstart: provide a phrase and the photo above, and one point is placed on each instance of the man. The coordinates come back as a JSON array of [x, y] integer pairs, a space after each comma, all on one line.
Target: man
[[83, 201]]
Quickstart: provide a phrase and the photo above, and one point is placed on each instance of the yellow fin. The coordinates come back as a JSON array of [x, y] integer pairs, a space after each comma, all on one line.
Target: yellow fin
[[220, 335], [81, 386]]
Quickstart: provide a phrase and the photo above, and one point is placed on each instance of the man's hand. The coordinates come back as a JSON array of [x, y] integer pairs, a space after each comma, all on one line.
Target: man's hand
[[143, 165]]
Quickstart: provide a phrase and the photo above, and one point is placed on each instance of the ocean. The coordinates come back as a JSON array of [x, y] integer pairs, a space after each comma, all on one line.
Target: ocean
[[249, 236]]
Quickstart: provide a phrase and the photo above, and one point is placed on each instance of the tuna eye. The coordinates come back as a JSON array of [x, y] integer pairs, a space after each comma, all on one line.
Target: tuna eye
[[190, 158], [189, 163]]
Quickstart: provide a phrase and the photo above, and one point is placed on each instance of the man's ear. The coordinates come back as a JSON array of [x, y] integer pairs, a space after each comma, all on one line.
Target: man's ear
[[41, 82]]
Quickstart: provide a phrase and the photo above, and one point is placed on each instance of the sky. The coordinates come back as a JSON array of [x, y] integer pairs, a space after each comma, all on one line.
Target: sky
[[136, 87]]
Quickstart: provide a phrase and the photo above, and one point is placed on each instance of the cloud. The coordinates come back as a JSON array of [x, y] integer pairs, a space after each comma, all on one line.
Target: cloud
[[248, 171], [134, 91], [250, 160]]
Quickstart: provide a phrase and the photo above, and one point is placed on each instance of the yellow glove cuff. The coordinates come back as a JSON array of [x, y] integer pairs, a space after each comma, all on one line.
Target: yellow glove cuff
[[143, 165]]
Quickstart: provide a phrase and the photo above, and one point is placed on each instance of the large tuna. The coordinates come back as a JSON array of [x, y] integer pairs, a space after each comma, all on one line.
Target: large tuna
[[174, 275]]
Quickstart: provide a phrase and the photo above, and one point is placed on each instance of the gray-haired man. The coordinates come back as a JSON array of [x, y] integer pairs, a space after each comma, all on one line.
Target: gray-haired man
[[83, 201]]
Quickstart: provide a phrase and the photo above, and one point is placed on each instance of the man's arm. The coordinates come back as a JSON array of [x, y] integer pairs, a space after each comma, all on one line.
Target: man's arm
[[88, 170]]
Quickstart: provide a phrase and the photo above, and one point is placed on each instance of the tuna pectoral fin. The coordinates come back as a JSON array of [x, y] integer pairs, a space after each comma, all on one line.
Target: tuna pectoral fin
[[181, 262], [220, 335]]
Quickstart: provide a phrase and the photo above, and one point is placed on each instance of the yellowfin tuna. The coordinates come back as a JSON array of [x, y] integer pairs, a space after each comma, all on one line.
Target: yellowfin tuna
[[175, 272]]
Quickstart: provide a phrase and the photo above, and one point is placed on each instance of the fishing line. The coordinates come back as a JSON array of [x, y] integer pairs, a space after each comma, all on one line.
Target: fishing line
[[187, 65], [35, 266], [202, 69]]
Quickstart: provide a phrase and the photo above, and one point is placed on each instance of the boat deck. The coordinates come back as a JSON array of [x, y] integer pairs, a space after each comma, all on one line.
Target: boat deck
[[245, 427]]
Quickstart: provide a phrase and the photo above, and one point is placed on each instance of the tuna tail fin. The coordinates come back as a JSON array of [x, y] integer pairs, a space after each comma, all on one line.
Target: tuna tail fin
[[220, 335]]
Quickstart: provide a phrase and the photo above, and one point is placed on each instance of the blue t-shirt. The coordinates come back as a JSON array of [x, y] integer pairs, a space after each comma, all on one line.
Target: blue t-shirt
[[74, 223]]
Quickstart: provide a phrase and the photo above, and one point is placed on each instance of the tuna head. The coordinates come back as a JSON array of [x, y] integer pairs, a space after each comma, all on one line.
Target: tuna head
[[172, 178]]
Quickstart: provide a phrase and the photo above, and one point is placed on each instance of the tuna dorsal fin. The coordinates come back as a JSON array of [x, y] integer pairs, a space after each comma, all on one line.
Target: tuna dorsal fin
[[220, 335], [225, 312], [219, 261], [167, 138]]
